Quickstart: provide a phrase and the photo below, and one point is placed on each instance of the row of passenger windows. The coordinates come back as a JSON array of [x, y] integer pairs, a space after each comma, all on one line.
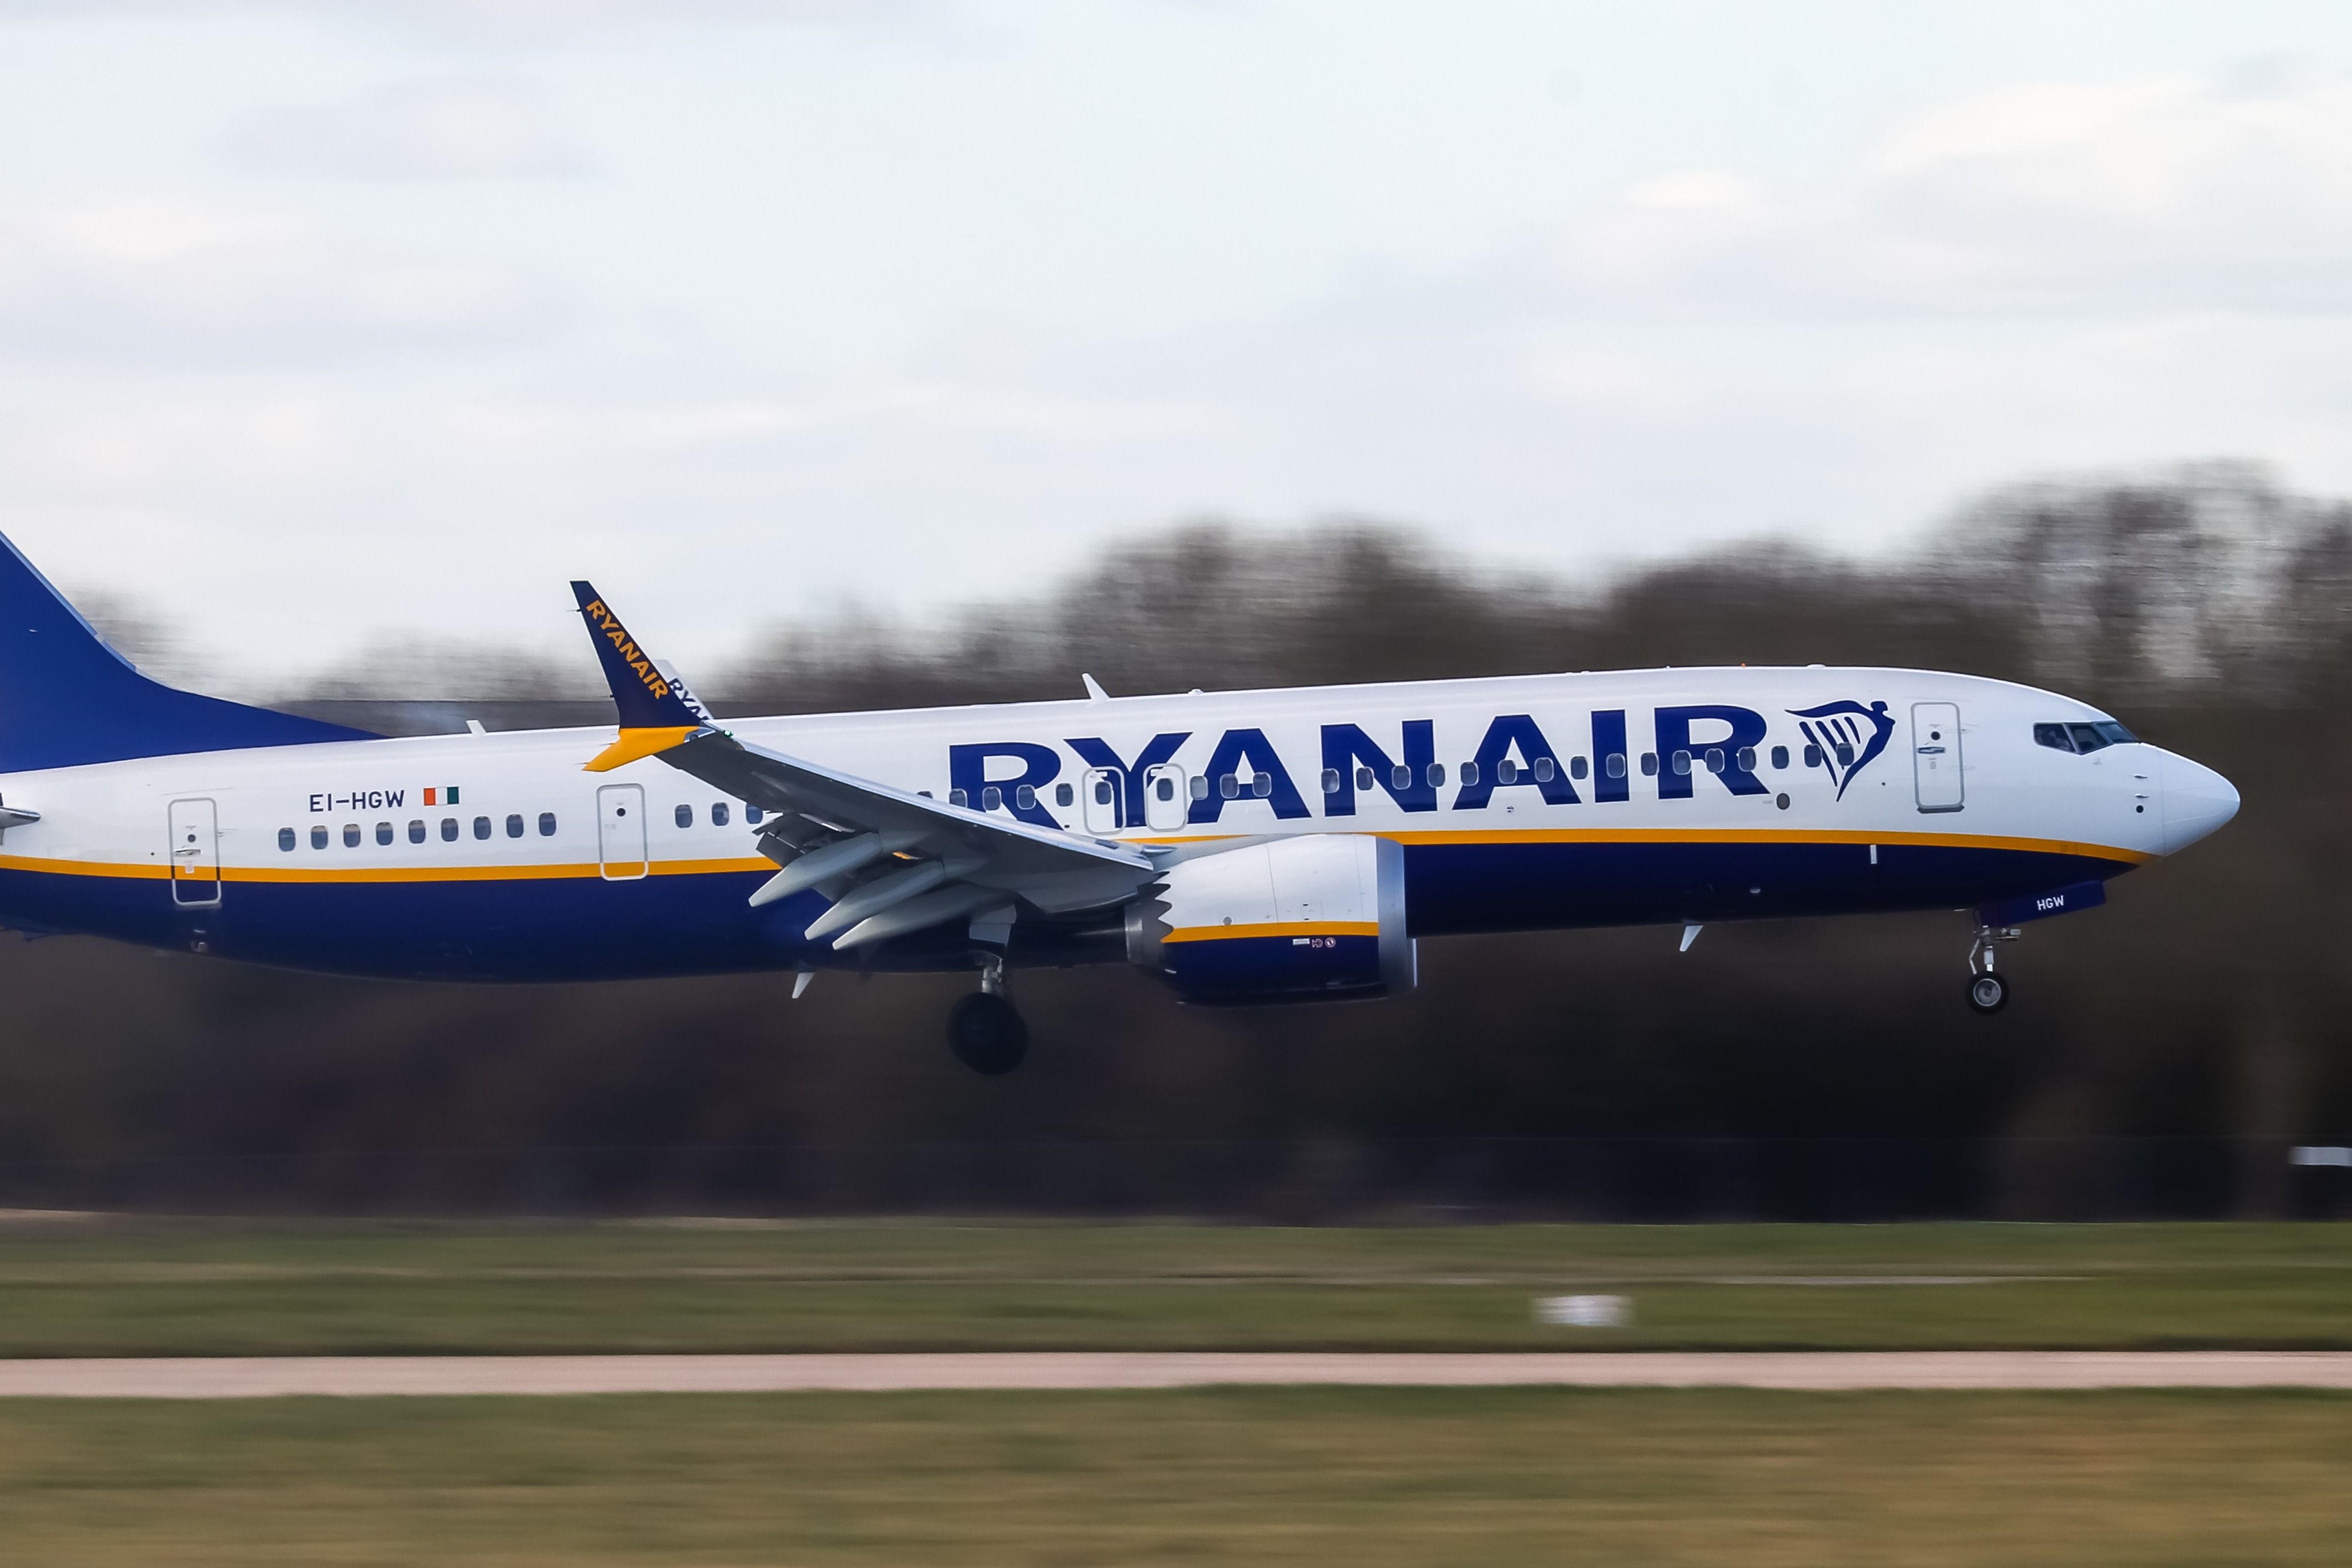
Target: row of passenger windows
[[450, 831], [1400, 777], [719, 814], [484, 827]]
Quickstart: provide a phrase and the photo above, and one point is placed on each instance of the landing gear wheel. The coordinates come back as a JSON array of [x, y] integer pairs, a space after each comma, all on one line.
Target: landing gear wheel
[[986, 1034], [1988, 993]]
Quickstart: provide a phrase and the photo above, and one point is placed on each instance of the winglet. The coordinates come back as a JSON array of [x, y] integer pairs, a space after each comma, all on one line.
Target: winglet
[[656, 714]]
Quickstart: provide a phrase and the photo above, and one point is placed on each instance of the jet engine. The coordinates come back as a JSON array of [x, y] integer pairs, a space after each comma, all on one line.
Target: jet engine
[[1316, 918]]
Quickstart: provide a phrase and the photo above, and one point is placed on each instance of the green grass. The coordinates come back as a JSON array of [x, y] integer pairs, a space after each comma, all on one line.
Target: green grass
[[1263, 1476], [143, 1288]]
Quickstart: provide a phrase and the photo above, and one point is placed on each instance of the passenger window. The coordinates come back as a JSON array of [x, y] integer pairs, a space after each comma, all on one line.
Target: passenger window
[[1681, 763], [1165, 788], [990, 797], [684, 816], [1544, 769], [1025, 798], [1064, 795], [1262, 785], [1228, 786], [1400, 777], [481, 827], [1844, 755], [383, 833], [1102, 792], [719, 812], [286, 838], [1812, 756], [514, 825], [318, 836], [547, 824], [1649, 764], [1364, 778], [1746, 758], [751, 814], [1779, 756], [1715, 759], [416, 831], [958, 797], [1330, 782], [1199, 786], [1436, 774], [1576, 767], [1507, 772], [351, 835], [1616, 764], [448, 830], [1469, 773]]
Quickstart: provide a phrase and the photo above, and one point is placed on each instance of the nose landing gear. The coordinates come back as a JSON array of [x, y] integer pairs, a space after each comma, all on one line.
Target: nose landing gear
[[985, 1031], [1988, 992]]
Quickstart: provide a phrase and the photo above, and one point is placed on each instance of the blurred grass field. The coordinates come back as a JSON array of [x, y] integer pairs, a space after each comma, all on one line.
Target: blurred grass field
[[1259, 1476], [150, 1287]]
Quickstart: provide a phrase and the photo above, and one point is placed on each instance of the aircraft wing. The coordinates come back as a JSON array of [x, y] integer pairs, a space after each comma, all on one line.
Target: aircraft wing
[[891, 861], [1006, 853]]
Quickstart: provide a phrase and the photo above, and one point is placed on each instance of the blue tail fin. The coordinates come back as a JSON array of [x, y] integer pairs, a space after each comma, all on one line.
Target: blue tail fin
[[66, 698]]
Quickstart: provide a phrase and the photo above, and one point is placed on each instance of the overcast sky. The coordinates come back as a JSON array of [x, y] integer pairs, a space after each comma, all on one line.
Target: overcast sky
[[320, 322]]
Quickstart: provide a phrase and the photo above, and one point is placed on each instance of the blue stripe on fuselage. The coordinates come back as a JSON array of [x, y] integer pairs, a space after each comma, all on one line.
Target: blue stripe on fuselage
[[585, 928]]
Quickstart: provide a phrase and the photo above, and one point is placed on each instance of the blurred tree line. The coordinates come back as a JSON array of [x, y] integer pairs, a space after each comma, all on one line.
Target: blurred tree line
[[2160, 1057]]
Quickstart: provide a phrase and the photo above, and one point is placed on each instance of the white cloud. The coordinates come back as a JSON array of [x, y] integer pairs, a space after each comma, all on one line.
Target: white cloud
[[861, 308], [168, 281], [2099, 199], [465, 130]]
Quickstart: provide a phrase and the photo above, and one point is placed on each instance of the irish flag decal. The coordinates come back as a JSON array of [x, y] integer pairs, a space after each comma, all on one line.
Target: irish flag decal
[[441, 796]]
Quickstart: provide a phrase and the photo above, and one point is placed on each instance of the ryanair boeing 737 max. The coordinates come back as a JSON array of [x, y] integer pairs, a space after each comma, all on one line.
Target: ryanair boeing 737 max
[[1245, 847]]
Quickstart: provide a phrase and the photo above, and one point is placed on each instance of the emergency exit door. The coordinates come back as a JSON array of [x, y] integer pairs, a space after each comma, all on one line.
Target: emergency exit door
[[1936, 755], [621, 831], [196, 852], [1105, 792]]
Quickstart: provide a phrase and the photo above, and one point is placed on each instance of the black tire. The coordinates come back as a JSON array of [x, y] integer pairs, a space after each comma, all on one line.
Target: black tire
[[987, 1035], [1988, 993]]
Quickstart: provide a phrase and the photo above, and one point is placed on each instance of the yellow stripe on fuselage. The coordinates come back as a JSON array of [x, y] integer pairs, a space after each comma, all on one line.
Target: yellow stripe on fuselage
[[1735, 835], [158, 871], [357, 874], [1274, 928]]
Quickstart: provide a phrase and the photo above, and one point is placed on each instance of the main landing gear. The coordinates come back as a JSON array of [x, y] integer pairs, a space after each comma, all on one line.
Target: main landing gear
[[1988, 992], [985, 1031]]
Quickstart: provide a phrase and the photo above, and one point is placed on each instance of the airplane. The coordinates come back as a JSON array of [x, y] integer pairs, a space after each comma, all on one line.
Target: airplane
[[1242, 847]]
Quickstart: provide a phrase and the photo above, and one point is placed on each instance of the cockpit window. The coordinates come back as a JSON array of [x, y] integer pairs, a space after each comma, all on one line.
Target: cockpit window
[[2083, 738]]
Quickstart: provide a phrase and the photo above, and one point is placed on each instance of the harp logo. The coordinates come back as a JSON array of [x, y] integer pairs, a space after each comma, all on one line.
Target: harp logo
[[1849, 735]]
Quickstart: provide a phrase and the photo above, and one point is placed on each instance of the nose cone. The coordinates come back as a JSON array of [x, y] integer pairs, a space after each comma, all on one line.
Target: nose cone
[[2197, 800]]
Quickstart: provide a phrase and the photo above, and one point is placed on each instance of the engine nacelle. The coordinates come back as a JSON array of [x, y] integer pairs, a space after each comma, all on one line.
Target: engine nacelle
[[1313, 919]]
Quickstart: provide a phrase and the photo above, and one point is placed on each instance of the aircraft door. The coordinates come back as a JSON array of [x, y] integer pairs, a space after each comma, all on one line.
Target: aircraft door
[[1936, 755], [1101, 794], [1164, 806], [196, 852], [621, 832]]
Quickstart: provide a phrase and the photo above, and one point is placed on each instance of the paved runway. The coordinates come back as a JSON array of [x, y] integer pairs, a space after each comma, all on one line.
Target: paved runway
[[256, 1378]]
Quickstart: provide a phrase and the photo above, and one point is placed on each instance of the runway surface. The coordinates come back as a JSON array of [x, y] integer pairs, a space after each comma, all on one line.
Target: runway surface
[[257, 1377]]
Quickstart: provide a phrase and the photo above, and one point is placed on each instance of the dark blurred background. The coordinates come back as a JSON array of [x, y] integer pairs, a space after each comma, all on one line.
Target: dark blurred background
[[2161, 1057]]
